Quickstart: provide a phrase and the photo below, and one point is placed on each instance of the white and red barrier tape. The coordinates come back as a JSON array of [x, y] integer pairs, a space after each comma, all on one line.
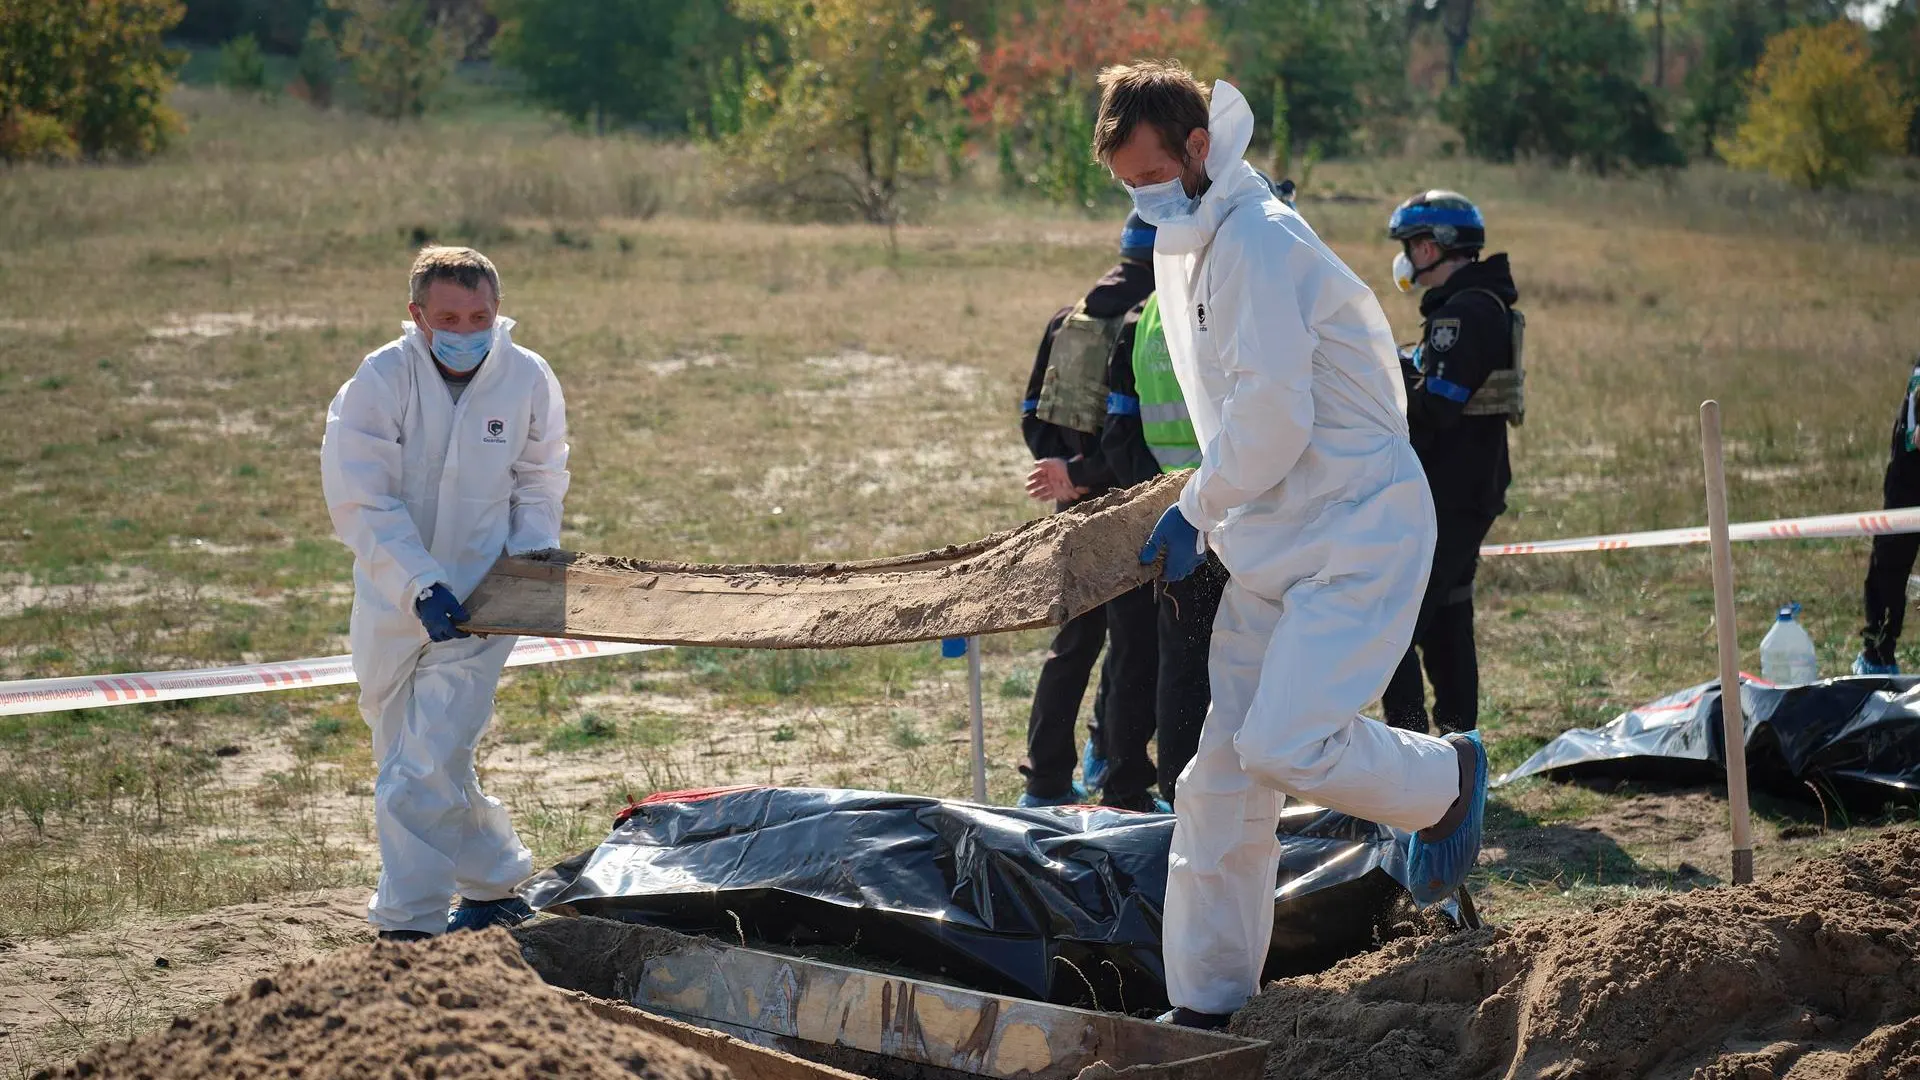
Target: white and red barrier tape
[[1873, 523], [96, 691]]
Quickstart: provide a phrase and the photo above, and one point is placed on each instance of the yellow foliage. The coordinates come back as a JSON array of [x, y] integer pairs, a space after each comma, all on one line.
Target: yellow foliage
[[86, 78], [1819, 110], [32, 136]]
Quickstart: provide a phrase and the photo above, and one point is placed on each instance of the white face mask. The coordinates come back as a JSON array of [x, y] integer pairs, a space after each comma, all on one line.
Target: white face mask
[[1403, 272], [1164, 204]]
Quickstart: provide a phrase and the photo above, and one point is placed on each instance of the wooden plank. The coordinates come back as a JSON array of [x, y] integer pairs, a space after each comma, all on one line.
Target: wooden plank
[[744, 1059], [944, 1027], [1041, 574]]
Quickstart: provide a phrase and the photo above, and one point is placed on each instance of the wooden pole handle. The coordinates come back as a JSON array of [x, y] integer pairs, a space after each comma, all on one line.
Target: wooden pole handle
[[1732, 718]]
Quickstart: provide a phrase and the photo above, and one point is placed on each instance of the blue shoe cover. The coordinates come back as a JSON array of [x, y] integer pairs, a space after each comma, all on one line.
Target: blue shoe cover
[[1075, 797], [1093, 768], [1864, 666], [1436, 870], [480, 914]]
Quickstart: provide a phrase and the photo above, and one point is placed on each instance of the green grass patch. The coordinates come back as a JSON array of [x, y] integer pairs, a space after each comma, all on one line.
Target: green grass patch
[[807, 676], [585, 732]]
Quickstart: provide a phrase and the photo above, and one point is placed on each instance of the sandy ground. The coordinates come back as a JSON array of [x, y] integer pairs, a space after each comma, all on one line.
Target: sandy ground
[[112, 983]]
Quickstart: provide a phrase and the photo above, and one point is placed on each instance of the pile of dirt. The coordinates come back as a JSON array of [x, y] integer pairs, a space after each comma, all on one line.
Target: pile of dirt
[[1041, 574], [1811, 975], [463, 1005]]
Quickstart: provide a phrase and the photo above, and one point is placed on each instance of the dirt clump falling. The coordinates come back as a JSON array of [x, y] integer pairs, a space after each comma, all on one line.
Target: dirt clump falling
[[462, 1005], [1811, 975]]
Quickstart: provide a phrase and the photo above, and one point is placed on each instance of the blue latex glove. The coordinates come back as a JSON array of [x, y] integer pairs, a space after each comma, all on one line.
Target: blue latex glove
[[1179, 541], [438, 612]]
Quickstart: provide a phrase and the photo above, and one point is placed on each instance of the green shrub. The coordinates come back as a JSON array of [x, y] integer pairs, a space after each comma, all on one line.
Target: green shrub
[[1555, 79], [242, 66], [316, 68]]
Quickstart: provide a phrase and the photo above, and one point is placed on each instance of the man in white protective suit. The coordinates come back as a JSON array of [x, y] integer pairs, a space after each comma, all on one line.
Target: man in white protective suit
[[1310, 493], [446, 450]]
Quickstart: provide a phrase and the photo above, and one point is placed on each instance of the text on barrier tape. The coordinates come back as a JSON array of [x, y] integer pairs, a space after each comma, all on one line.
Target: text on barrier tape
[[96, 691], [1869, 523]]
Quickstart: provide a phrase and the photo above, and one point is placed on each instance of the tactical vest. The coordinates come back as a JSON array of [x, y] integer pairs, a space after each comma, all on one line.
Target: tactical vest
[[1505, 391], [1908, 418], [1073, 392], [1163, 408]]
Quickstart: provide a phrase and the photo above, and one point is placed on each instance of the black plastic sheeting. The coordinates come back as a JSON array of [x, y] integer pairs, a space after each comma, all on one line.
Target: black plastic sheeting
[[1056, 905], [1858, 738]]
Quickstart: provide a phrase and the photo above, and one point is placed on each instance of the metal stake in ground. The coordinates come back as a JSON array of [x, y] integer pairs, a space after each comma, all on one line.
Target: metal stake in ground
[[979, 721], [1732, 720]]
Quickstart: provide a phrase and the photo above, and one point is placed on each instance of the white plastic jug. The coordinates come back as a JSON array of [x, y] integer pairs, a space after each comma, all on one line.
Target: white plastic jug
[[1786, 653]]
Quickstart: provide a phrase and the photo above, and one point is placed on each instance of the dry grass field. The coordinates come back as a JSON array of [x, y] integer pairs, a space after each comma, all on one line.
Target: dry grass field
[[743, 391]]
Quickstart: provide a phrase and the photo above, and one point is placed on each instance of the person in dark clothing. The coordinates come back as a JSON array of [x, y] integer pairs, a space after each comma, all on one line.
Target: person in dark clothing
[[1463, 389], [1892, 561], [1061, 417], [1148, 433]]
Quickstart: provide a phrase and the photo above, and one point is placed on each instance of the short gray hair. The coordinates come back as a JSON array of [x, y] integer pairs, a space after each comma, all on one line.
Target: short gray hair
[[463, 266]]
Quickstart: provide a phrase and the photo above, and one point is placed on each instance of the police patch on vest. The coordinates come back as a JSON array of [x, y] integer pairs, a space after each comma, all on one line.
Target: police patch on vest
[[1444, 334], [496, 432]]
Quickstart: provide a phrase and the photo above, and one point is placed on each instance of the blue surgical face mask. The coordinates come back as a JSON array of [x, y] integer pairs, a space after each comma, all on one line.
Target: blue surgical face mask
[[461, 353], [1165, 204]]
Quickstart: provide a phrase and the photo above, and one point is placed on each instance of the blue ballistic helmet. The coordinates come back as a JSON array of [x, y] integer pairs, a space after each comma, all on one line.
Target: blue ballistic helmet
[[1446, 216], [1136, 239]]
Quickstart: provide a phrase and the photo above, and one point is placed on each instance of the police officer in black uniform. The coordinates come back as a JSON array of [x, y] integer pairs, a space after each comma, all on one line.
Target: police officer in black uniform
[[1061, 417], [1893, 556], [1464, 386]]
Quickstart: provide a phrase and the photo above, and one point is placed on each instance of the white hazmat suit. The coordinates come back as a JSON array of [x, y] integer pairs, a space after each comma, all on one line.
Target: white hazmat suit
[[1311, 494], [428, 491]]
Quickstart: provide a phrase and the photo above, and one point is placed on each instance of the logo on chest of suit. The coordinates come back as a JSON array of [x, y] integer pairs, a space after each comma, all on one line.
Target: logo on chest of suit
[[1200, 317], [1445, 334], [496, 432]]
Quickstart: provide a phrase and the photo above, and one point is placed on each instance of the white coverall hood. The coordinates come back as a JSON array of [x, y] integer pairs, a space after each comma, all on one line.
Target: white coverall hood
[[1230, 132], [428, 491], [1310, 491]]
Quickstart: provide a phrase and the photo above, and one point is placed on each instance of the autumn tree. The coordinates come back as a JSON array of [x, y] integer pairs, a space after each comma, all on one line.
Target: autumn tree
[[1039, 89], [1730, 36], [85, 77], [1820, 110], [854, 118]]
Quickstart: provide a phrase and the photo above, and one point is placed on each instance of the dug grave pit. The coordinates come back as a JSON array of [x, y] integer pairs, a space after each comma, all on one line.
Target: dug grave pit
[[1809, 975]]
